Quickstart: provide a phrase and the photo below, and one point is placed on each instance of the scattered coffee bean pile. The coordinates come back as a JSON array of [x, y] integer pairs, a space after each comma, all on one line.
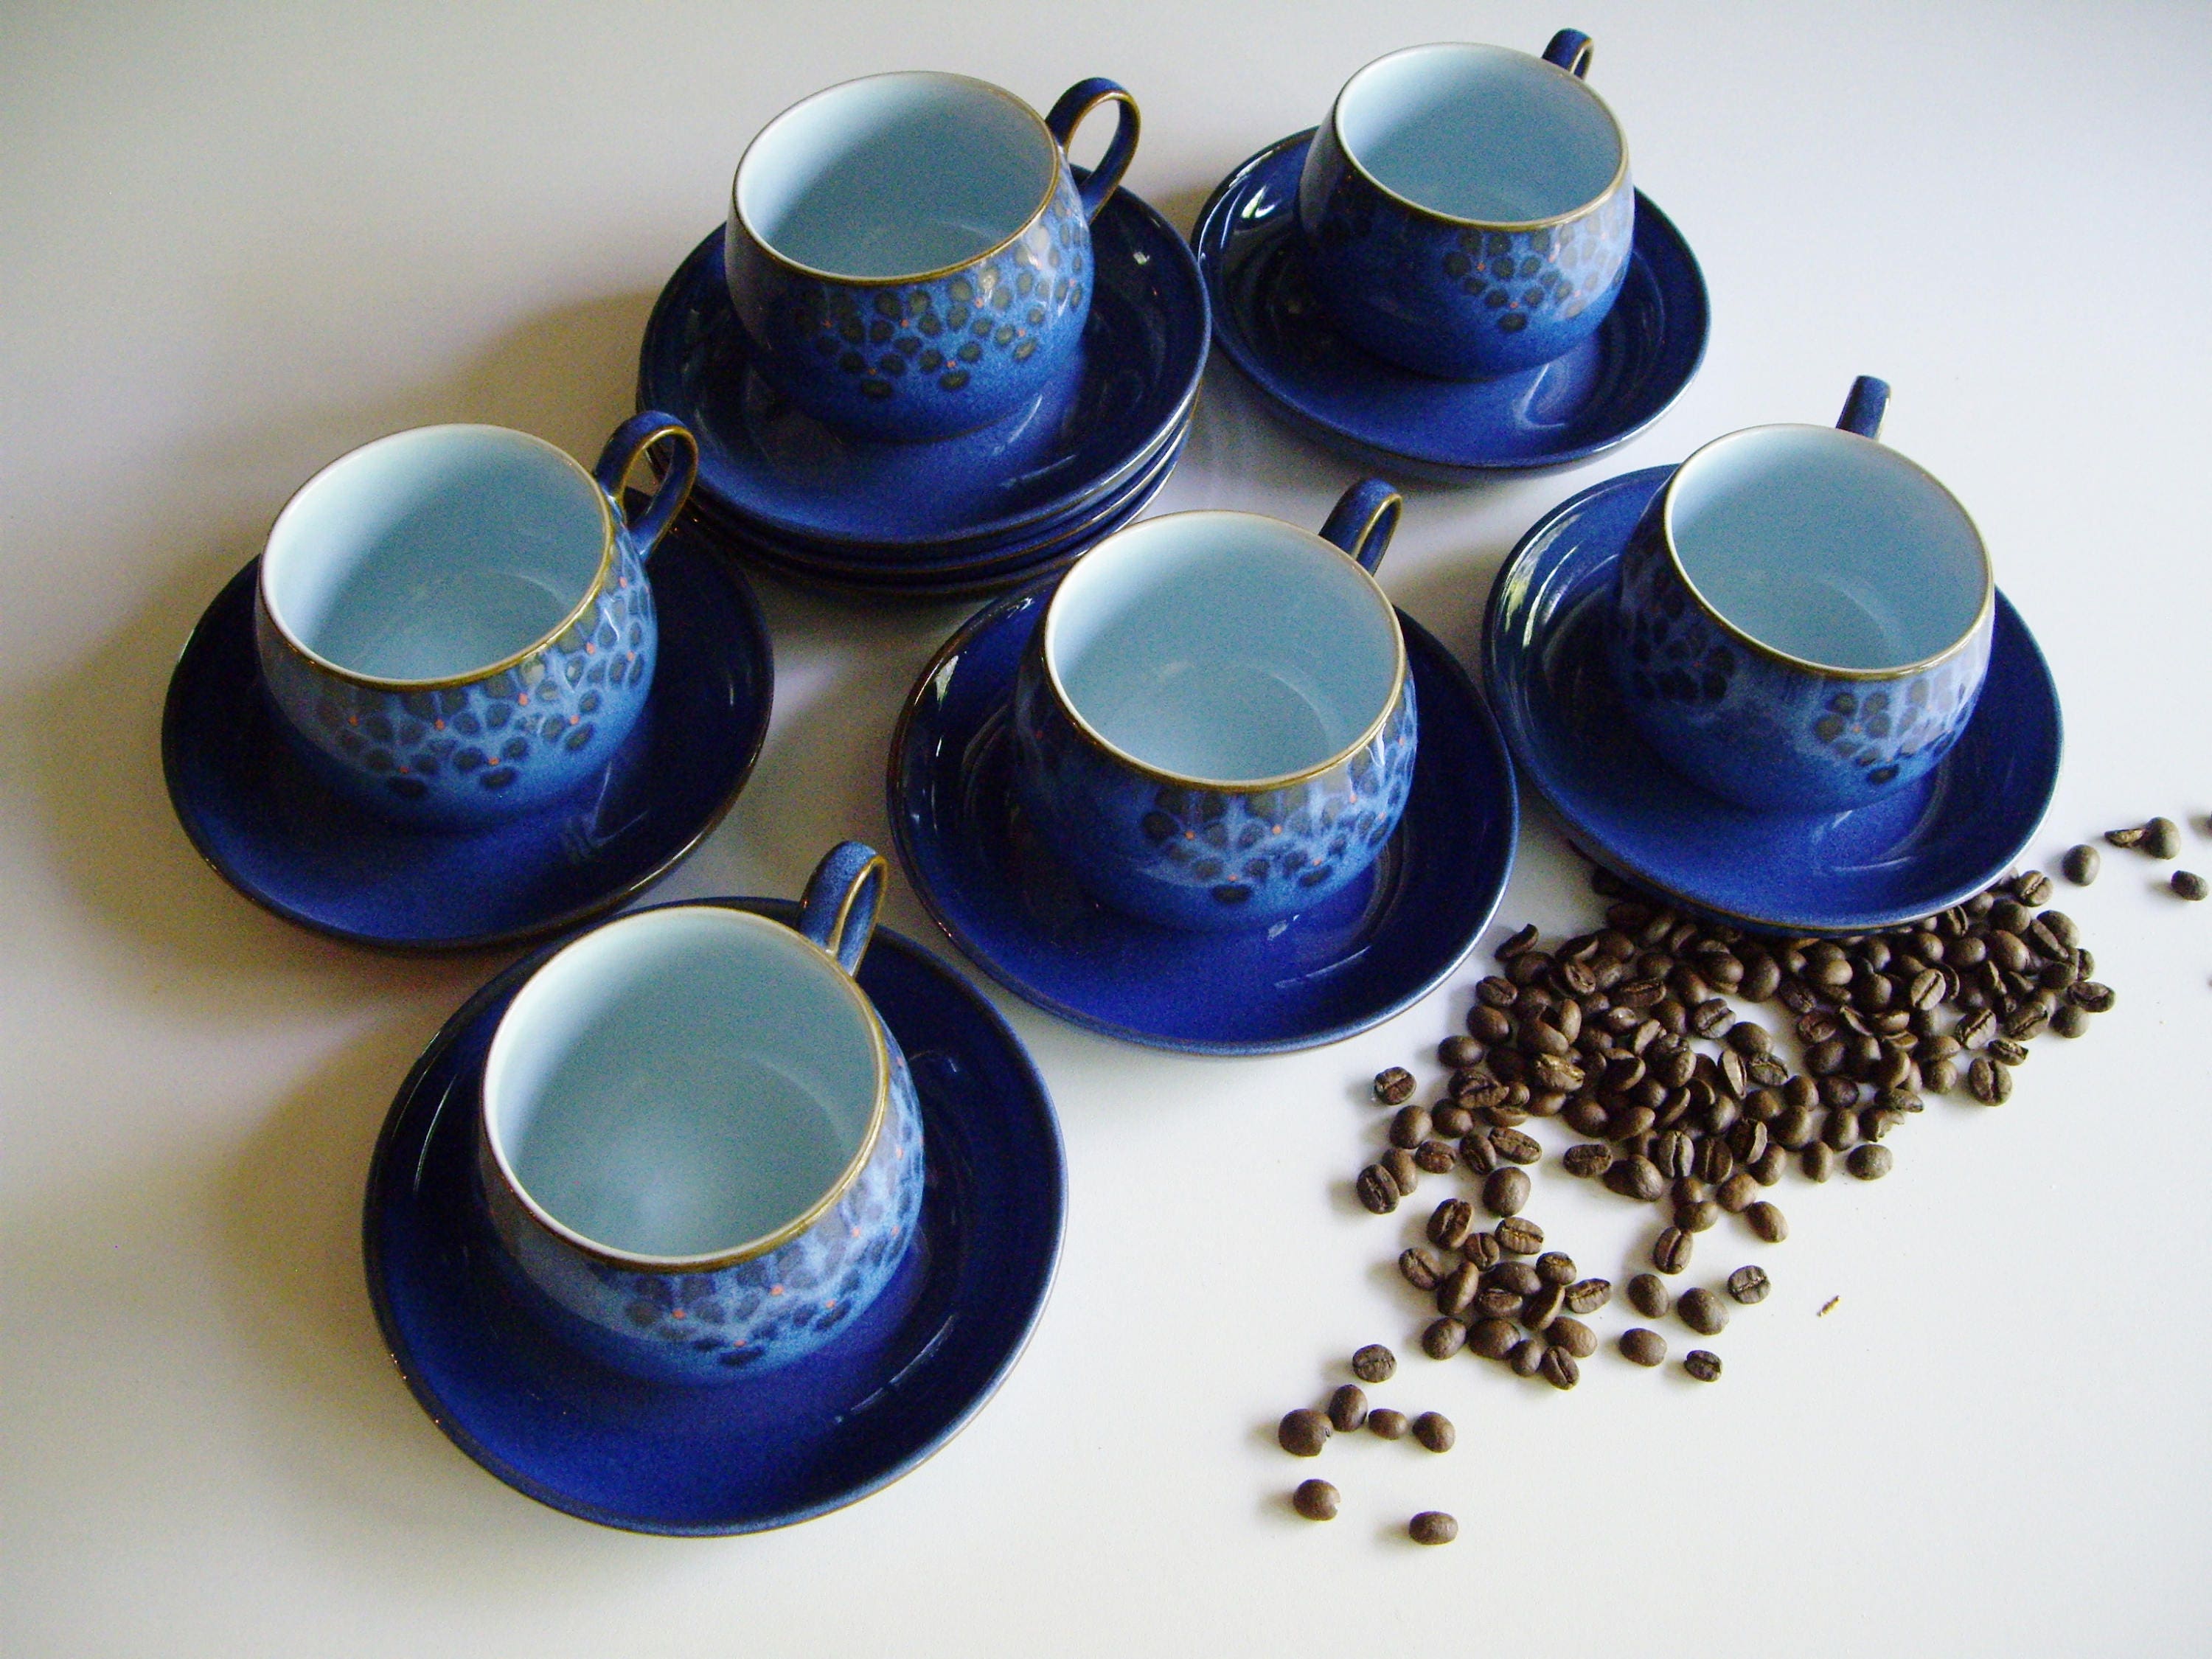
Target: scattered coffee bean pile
[[1303, 1433], [2160, 838]]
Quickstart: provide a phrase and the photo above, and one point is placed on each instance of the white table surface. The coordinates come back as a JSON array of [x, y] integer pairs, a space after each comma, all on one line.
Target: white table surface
[[236, 241]]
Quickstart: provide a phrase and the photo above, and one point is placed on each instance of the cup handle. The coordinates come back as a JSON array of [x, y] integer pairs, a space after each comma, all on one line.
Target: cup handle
[[631, 439], [1864, 407], [1572, 51], [1078, 102], [839, 911], [1364, 519]]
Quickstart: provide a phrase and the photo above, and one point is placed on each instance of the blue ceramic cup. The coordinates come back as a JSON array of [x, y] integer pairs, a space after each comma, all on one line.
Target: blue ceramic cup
[[910, 254], [1467, 209], [697, 1139], [455, 622], [1214, 725], [1804, 619]]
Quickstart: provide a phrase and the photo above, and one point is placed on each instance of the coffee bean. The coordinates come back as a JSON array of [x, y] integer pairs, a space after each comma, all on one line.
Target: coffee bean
[[1871, 1161], [1636, 1177], [2033, 887], [1702, 1311], [1482, 1250], [1586, 1160], [1496, 1302], [1748, 1139], [1496, 992], [1490, 1025], [1703, 1364], [1559, 1368], [1454, 1051], [1449, 1223], [1402, 1169], [1316, 1500], [1989, 1082], [1492, 1339], [1347, 1408], [1386, 1425], [1432, 1527], [1766, 1168], [1588, 1295], [1670, 1251], [1435, 1157], [1456, 1290], [1640, 1347], [1749, 1285], [1519, 1277], [1441, 1339], [1555, 1267], [1527, 1357], [1541, 1308], [1522, 940], [1410, 1127], [1476, 1152], [1716, 1162], [1710, 1017], [1738, 1193], [2080, 864], [1374, 1363], [1649, 1294], [1975, 1029], [2127, 837], [1519, 1235], [1515, 1147], [2070, 1021], [1696, 1217], [1505, 1192], [1419, 1269], [2088, 994], [1376, 1189], [1570, 1334], [1434, 1429], [1303, 1432], [2162, 838], [1393, 1086], [2187, 884]]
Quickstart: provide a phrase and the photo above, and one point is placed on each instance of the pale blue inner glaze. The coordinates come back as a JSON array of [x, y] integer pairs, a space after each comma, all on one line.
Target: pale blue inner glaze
[[1479, 132], [682, 1082], [437, 553], [1222, 647], [1828, 547], [897, 175]]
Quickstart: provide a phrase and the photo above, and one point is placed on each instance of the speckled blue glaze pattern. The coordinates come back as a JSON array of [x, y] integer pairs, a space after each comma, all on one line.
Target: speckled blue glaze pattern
[[1460, 301], [1817, 742], [754, 1315], [922, 359]]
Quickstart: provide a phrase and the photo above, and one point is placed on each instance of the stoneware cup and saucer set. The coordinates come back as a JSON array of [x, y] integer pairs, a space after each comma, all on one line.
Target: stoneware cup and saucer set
[[926, 355]]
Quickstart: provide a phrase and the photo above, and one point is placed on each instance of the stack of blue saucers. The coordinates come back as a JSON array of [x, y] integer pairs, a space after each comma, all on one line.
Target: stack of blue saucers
[[986, 510]]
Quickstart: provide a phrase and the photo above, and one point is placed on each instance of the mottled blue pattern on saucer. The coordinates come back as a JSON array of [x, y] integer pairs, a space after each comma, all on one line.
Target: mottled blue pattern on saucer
[[1929, 845], [1385, 942], [1606, 389], [271, 827], [765, 1449]]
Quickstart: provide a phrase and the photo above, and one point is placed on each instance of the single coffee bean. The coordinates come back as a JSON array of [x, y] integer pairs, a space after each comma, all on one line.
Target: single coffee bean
[[1454, 1051], [1451, 1119], [1476, 1152], [1588, 1295], [1435, 1157], [1519, 1277], [1527, 1357], [1871, 1161], [1702, 1311], [1766, 1168], [1403, 1170], [2187, 884], [1419, 1269], [2033, 887], [1347, 1408], [1710, 1017], [1689, 1190], [1818, 1161], [1738, 1193], [1576, 1337], [1989, 1082], [2080, 864], [1636, 1177], [1519, 1235], [1496, 992], [1696, 1217], [1316, 1500], [1716, 1162], [1749, 1285], [1587, 1159], [2162, 838], [1432, 1527], [1441, 1339], [1975, 1029], [1942, 1076], [1561, 1369], [1376, 1189], [1522, 940], [1841, 1131], [1496, 1302], [1640, 1347], [1482, 1250], [1410, 1127], [1303, 1432], [1449, 1223], [1386, 1425], [1393, 1086], [2088, 994], [1767, 1222], [1374, 1363], [1748, 1137], [1670, 1251], [1505, 1192], [2070, 1021], [1492, 1339], [2127, 837], [1457, 1290], [1556, 1267], [1434, 1429], [1541, 1310], [1649, 1294], [1490, 1025], [1516, 1147], [1703, 1364]]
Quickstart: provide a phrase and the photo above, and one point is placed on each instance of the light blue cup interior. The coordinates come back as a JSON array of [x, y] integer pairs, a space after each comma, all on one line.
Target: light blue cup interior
[[437, 553], [682, 1082], [1479, 132], [897, 176], [1827, 547], [1222, 647]]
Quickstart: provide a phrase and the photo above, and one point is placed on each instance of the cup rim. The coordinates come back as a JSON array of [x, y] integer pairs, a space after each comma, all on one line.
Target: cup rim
[[1236, 786], [1974, 627], [1351, 159], [469, 677], [738, 217], [732, 1256]]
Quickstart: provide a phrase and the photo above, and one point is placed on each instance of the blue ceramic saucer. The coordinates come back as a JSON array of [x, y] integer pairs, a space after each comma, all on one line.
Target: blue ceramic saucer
[[758, 1452], [782, 471], [1375, 948], [1931, 845], [274, 832], [1607, 389]]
